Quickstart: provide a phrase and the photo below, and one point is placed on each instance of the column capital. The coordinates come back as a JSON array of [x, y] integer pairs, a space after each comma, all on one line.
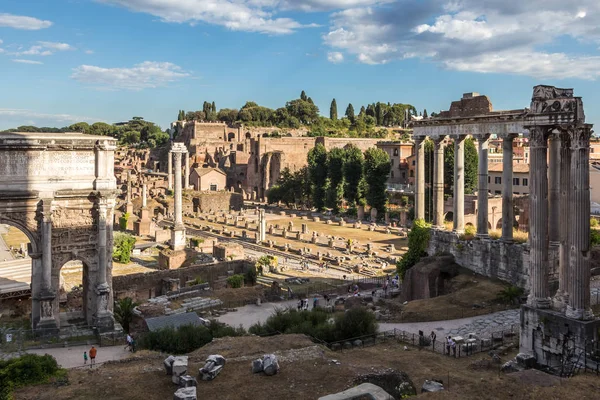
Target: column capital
[[482, 137], [580, 137], [538, 136], [458, 138], [509, 136]]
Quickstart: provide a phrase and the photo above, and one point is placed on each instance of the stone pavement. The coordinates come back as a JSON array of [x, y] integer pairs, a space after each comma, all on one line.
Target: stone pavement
[[248, 315], [72, 357], [485, 325]]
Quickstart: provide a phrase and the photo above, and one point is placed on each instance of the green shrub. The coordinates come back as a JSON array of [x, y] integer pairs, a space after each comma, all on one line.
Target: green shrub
[[196, 241], [316, 323], [186, 338], [122, 247], [124, 312], [510, 295], [235, 281], [123, 221], [28, 369], [593, 222], [196, 281], [594, 237], [250, 277], [418, 240]]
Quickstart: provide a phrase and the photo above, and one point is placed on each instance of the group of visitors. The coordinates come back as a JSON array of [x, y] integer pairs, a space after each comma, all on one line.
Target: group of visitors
[[93, 352], [303, 303]]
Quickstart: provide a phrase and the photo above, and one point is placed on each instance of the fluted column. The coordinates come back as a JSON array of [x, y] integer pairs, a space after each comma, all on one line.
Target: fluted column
[[438, 182], [420, 178], [482, 186], [144, 196], [47, 293], [102, 212], [178, 195], [561, 298], [538, 219], [459, 184], [507, 188], [554, 188], [579, 236], [186, 180], [170, 170]]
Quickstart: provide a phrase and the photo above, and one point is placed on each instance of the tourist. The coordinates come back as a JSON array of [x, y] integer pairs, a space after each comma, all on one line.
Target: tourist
[[448, 345], [433, 336], [315, 302], [300, 304], [85, 357], [306, 303], [129, 339], [93, 352]]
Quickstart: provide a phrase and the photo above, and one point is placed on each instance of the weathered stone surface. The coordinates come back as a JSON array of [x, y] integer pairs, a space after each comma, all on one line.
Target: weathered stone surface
[[188, 393], [168, 363], [511, 366], [257, 366], [364, 391], [396, 383], [187, 381], [213, 366], [431, 386], [270, 364], [525, 360], [180, 366], [426, 279]]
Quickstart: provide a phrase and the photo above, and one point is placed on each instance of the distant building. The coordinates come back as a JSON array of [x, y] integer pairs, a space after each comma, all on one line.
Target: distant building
[[398, 153], [205, 179], [520, 178]]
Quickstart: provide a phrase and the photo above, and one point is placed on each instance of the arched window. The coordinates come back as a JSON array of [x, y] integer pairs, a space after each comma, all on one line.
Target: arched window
[[395, 152]]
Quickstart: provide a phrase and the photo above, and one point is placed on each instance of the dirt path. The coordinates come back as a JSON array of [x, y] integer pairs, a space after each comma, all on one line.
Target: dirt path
[[72, 357]]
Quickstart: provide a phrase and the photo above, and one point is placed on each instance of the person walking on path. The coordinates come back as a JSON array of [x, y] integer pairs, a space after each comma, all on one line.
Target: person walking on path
[[85, 357], [129, 340], [93, 352]]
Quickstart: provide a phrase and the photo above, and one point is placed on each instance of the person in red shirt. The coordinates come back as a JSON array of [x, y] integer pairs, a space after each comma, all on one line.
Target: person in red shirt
[[92, 356]]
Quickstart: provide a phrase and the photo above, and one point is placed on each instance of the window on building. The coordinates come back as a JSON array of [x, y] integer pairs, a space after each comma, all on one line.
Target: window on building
[[412, 174], [489, 178], [498, 180], [396, 151], [403, 175], [213, 187], [413, 162], [392, 162], [498, 192], [516, 181], [525, 182]]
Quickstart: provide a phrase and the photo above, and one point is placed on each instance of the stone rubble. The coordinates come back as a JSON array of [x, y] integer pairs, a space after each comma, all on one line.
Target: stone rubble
[[212, 368]]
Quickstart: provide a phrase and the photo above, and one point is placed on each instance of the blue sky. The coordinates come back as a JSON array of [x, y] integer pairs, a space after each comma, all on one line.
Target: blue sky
[[62, 61]]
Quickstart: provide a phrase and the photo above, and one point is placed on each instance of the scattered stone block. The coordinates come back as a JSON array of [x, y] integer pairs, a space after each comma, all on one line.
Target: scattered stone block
[[364, 391], [168, 363], [187, 381], [213, 366], [270, 364], [180, 365], [431, 386], [257, 366], [188, 393], [526, 361], [510, 367], [397, 383], [357, 343]]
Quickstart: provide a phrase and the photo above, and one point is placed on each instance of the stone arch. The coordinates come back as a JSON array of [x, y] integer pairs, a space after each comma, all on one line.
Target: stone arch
[[499, 224], [248, 135], [230, 136], [88, 260], [449, 216]]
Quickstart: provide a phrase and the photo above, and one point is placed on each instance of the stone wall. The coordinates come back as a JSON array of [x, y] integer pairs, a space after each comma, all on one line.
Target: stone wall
[[142, 286], [492, 258], [217, 201]]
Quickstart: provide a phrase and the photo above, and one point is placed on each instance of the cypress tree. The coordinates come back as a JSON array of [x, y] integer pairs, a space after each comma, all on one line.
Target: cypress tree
[[333, 111], [303, 96], [350, 112]]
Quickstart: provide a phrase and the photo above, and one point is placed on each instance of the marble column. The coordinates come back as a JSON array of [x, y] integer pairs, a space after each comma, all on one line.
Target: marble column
[[144, 196], [186, 178], [170, 170], [178, 232], [507, 188], [482, 186], [561, 298], [538, 219], [420, 178], [178, 206], [47, 293], [102, 212], [554, 188], [459, 184], [438, 182], [579, 235]]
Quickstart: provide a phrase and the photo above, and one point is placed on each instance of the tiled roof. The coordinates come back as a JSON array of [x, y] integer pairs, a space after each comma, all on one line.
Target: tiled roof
[[520, 168], [175, 320]]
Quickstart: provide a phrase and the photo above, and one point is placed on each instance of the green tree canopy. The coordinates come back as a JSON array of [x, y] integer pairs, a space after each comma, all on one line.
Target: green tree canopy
[[335, 173], [317, 172], [333, 111], [377, 168], [353, 173]]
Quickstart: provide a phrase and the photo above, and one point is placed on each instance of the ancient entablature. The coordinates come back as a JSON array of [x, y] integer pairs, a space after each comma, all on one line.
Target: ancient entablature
[[559, 204], [60, 190]]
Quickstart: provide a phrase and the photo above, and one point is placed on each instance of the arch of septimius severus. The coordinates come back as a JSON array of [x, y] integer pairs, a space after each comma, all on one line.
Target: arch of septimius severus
[[559, 206], [60, 190]]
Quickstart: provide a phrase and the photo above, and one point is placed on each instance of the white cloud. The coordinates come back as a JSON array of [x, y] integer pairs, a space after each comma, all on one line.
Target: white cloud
[[89, 52], [149, 74], [1, 41], [45, 49], [472, 35], [237, 15], [22, 61], [23, 22], [328, 5], [335, 57]]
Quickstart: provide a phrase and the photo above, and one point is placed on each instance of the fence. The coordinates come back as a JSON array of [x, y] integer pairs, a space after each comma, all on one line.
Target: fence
[[497, 339], [12, 340]]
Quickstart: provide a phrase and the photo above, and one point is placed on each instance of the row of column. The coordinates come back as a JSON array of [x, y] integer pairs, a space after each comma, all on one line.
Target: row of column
[[569, 218], [459, 184], [170, 171]]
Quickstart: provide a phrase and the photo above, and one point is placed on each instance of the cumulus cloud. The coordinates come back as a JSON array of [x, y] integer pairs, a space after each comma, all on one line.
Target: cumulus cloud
[[22, 61], [149, 74], [89, 52], [335, 57], [472, 35], [45, 49], [327, 5], [237, 15], [23, 22]]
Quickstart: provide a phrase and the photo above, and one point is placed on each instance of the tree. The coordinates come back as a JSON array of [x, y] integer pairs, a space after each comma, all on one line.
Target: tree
[[418, 240], [471, 161], [213, 107], [350, 112], [377, 168], [82, 127], [353, 173], [303, 96], [122, 247], [335, 174], [317, 172], [333, 111], [102, 129], [228, 115], [124, 312], [306, 112], [425, 113]]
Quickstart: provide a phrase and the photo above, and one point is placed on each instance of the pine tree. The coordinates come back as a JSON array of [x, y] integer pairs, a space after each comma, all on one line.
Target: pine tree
[[333, 110], [303, 96], [350, 112]]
